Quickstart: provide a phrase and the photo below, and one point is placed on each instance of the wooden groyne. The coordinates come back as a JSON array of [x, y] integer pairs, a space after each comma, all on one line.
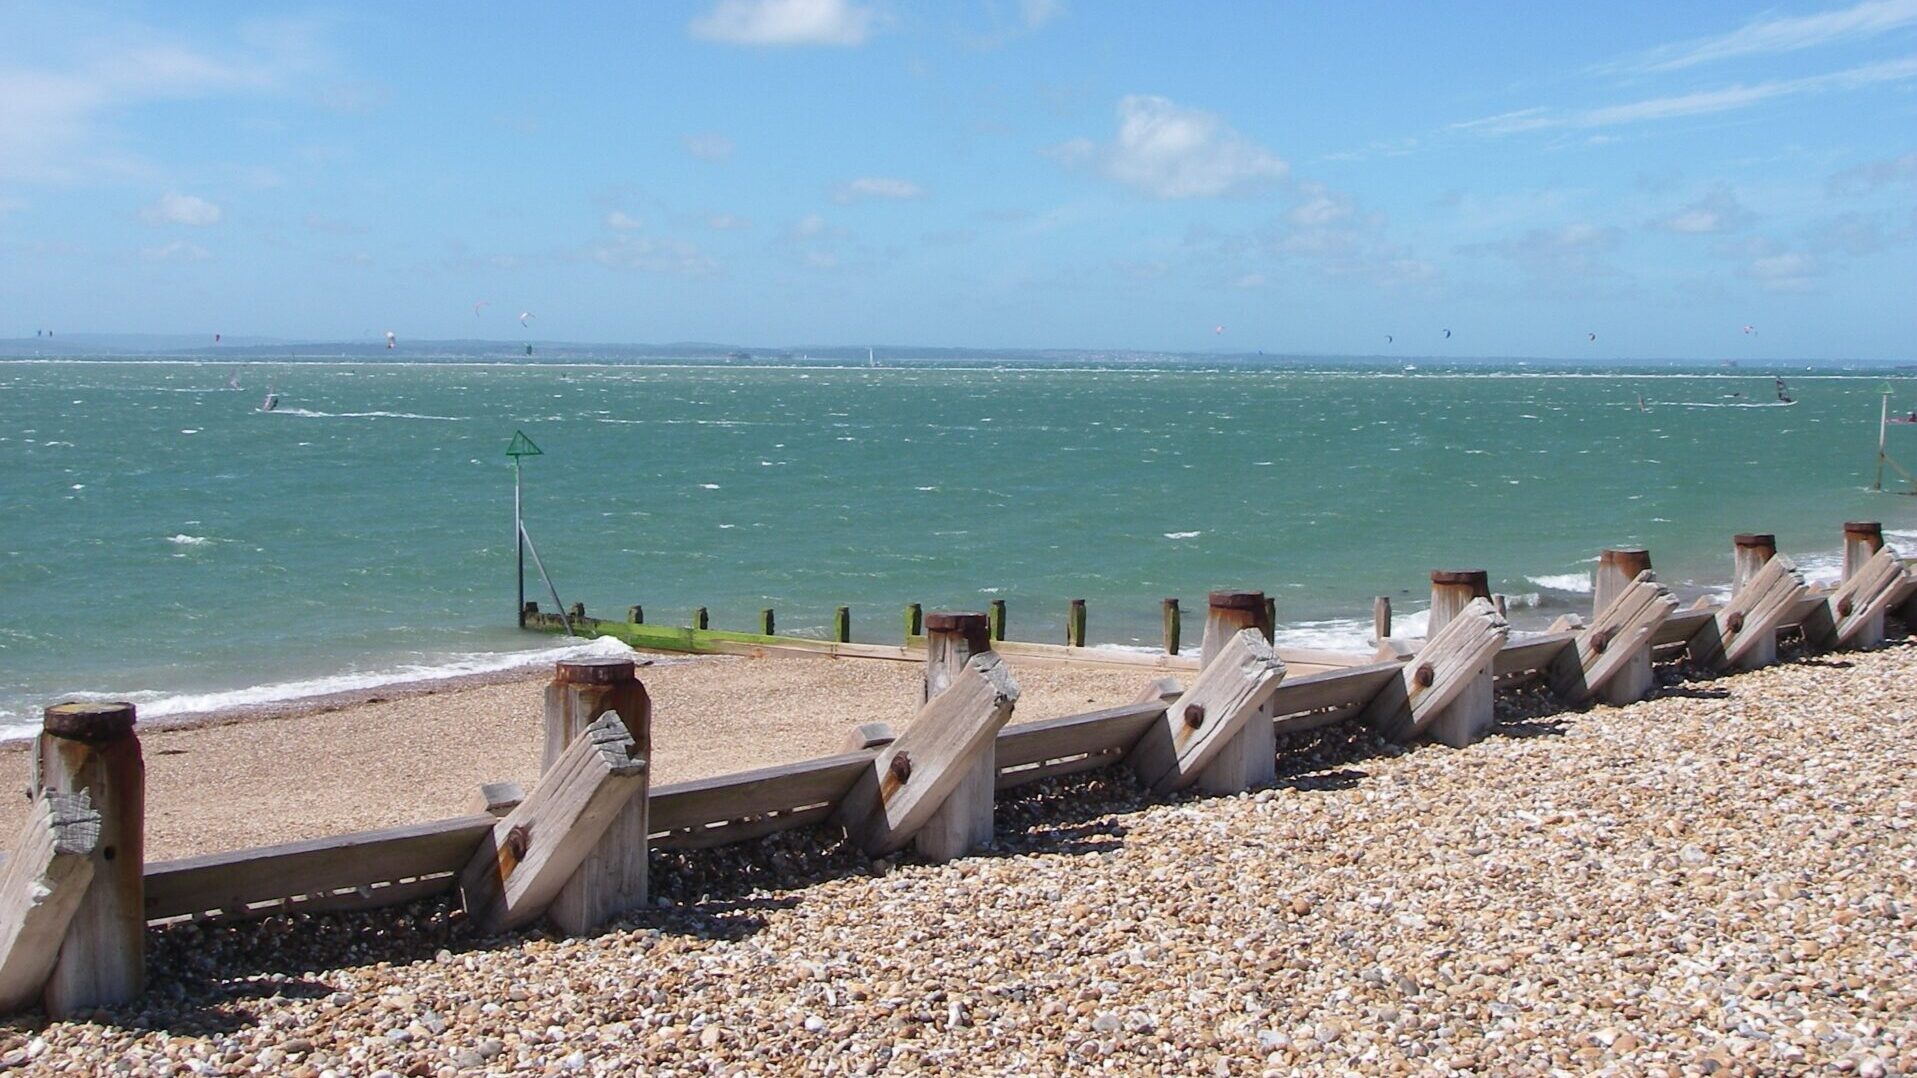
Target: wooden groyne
[[76, 897]]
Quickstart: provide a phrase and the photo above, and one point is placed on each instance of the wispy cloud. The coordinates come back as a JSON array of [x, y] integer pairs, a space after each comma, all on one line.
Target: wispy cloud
[[1786, 34], [174, 208], [1570, 254], [1875, 174], [1700, 103], [621, 221], [1718, 211], [177, 251], [1170, 151], [709, 146], [727, 222], [877, 187], [785, 22]]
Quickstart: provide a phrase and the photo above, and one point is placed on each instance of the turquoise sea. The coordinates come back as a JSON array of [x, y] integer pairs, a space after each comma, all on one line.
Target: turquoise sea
[[162, 539]]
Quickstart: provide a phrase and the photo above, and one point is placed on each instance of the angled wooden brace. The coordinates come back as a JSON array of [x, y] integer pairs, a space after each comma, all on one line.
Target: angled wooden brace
[[1848, 617], [40, 889], [1743, 633], [1226, 695], [1445, 667], [523, 862], [1617, 637], [911, 777]]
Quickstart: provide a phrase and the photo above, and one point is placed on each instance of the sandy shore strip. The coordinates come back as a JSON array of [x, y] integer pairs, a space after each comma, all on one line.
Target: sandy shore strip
[[305, 769], [1721, 880]]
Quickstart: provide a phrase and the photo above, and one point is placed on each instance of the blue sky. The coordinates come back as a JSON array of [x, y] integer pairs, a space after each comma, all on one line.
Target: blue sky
[[1047, 173]]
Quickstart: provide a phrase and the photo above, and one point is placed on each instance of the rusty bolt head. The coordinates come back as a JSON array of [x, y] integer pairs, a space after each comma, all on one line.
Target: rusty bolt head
[[519, 840], [901, 766], [1735, 622], [1602, 640], [1194, 715], [1844, 607], [1424, 675]]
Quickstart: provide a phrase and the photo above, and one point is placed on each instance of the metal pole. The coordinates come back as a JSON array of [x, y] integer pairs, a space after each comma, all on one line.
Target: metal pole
[[519, 544], [1883, 424], [554, 592]]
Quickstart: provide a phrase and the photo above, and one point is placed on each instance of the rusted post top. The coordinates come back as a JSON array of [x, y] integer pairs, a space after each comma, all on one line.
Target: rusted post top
[[1755, 540], [1864, 529], [1478, 579], [1253, 601], [972, 626], [1628, 560], [90, 721], [597, 670]]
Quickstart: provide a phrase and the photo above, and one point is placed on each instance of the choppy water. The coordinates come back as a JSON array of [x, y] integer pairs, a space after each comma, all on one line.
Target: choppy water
[[161, 538]]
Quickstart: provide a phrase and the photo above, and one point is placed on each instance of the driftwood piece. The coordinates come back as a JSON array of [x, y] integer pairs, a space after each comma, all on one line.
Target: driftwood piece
[[1617, 638], [40, 888], [1446, 666], [1742, 634], [522, 864], [910, 778], [1232, 688]]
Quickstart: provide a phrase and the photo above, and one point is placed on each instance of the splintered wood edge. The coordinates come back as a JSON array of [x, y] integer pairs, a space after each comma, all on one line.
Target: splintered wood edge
[[998, 675], [74, 822], [614, 744]]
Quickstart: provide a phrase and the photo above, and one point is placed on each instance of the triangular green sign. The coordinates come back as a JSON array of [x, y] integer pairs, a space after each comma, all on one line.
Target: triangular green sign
[[522, 446]]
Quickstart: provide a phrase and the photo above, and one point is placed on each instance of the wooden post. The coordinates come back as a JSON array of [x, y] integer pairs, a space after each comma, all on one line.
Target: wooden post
[[1381, 618], [1849, 616], [1617, 568], [578, 611], [1862, 539], [1615, 644], [91, 749], [1749, 552], [1452, 662], [1742, 634], [1075, 624], [612, 877], [47, 873], [995, 613], [538, 850], [842, 625], [1250, 757], [964, 822], [1172, 626], [635, 615], [1499, 604], [1231, 695], [700, 619], [765, 622], [1472, 713], [914, 621]]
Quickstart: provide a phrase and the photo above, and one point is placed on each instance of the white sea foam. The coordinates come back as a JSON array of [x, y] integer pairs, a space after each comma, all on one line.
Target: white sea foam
[[1335, 634], [160, 705], [1183, 535], [1577, 583], [188, 540], [309, 414]]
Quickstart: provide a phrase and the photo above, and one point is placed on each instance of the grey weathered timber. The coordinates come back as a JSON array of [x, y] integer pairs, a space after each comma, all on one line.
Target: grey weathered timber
[[870, 735], [1249, 757], [910, 778], [1455, 660], [1381, 618], [612, 877], [842, 625], [40, 888], [1531, 651], [1749, 552], [964, 822], [497, 798], [91, 748], [1863, 539], [526, 858], [1616, 646], [1228, 696], [995, 614], [1162, 690], [234, 881], [1742, 634], [1626, 681], [1299, 701], [1471, 712], [1073, 735], [1853, 615], [722, 808]]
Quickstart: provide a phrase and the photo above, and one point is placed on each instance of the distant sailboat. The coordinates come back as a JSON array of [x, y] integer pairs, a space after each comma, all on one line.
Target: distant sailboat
[[271, 402], [870, 359]]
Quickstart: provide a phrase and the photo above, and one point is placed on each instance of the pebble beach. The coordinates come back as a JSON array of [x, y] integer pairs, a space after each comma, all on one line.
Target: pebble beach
[[1720, 880]]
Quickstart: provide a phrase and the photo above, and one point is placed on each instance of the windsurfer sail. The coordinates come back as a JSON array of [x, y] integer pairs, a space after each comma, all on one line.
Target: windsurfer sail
[[271, 402], [1783, 394]]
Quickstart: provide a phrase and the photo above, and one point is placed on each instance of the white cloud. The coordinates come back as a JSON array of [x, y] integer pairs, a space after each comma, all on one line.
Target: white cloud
[[1573, 253], [726, 222], [177, 251], [1871, 176], [869, 187], [785, 22], [807, 227], [1325, 228], [174, 208], [629, 250], [1037, 13], [1700, 103], [1717, 212], [709, 146], [1786, 272], [621, 221], [1788, 34], [1169, 151]]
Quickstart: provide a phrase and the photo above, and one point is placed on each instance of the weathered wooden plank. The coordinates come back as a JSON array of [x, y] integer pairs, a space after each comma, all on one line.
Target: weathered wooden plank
[[1247, 758], [1024, 651], [1530, 651], [236, 879], [1460, 653], [911, 777], [1852, 616], [1618, 639], [613, 876], [1068, 735], [1070, 765], [964, 821], [1680, 627], [496, 798], [1329, 688], [1743, 632], [40, 888], [527, 857], [1224, 697], [744, 829], [697, 802]]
